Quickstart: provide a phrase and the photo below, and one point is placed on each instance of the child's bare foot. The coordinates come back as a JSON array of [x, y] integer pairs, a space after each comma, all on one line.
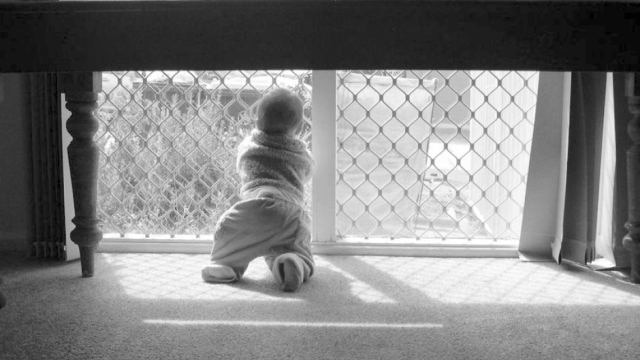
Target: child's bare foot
[[288, 269], [217, 273]]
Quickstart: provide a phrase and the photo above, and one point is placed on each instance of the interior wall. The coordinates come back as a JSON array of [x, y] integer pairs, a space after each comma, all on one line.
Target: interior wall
[[16, 174]]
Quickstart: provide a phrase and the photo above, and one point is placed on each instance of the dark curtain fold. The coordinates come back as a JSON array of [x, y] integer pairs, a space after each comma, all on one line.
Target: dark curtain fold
[[620, 190], [46, 135], [583, 166], [587, 109]]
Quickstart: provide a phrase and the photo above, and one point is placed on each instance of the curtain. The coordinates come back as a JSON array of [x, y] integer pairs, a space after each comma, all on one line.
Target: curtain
[[49, 241], [583, 166], [580, 215], [620, 190]]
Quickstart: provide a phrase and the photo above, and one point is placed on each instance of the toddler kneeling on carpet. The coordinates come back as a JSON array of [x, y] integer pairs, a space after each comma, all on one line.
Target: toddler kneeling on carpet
[[270, 219]]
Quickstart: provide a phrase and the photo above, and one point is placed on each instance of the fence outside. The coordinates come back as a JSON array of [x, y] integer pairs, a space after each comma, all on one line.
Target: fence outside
[[168, 142]]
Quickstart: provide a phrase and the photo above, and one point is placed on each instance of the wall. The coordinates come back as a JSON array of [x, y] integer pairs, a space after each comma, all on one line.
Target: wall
[[16, 198]]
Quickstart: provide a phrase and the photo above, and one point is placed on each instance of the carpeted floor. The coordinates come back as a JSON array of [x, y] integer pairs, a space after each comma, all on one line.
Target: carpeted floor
[[154, 306]]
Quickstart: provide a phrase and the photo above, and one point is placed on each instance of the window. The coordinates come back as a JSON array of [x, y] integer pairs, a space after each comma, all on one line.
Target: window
[[420, 155]]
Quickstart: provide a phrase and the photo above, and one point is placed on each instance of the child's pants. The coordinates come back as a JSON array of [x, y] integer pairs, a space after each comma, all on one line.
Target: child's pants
[[262, 225]]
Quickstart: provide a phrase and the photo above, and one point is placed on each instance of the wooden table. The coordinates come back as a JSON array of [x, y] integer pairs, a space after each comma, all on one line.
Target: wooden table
[[80, 38]]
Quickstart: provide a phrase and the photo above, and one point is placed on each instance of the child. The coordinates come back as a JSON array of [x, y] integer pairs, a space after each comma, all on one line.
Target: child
[[270, 219]]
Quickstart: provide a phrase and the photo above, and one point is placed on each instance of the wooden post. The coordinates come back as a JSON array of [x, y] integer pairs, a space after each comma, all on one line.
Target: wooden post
[[81, 93], [631, 240]]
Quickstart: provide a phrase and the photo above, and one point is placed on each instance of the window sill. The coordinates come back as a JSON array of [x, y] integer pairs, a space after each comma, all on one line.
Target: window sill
[[202, 245]]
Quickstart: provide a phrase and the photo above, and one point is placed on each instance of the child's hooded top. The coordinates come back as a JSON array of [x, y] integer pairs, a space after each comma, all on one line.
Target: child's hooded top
[[280, 161]]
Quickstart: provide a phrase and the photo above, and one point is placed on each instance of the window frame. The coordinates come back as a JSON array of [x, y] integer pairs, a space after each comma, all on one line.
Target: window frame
[[324, 145]]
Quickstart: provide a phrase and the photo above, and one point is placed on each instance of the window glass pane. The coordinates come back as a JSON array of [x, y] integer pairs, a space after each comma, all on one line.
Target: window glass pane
[[428, 154], [168, 141], [421, 155]]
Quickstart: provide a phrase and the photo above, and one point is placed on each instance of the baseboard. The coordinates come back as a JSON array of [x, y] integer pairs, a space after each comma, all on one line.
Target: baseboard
[[203, 246], [155, 245], [419, 250]]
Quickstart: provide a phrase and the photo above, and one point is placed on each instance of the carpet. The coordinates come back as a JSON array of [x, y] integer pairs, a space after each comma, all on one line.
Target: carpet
[[155, 306]]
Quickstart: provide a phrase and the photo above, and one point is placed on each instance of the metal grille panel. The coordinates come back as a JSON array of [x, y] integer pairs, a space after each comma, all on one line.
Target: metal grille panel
[[433, 154], [168, 142], [421, 154]]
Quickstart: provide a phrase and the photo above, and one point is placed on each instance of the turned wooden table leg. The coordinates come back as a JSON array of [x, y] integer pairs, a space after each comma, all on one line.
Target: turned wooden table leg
[[631, 240], [81, 93]]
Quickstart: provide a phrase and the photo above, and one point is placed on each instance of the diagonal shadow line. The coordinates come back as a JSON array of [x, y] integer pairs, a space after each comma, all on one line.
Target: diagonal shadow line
[[379, 280]]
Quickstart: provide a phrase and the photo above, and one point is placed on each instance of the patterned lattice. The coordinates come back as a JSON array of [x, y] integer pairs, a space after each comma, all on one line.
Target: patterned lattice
[[433, 154], [168, 141], [422, 154]]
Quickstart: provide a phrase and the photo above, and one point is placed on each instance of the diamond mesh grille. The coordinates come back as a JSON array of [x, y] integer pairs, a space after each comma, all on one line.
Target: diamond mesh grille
[[168, 142], [433, 154], [421, 154]]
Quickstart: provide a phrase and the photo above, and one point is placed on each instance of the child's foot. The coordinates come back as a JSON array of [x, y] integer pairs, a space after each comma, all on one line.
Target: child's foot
[[217, 273], [288, 269]]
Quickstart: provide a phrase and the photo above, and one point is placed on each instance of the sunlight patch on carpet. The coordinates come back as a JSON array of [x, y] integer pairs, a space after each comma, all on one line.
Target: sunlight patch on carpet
[[376, 280], [498, 281], [292, 324], [177, 276]]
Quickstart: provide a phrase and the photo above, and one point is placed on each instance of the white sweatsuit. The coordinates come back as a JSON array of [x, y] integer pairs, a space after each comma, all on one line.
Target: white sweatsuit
[[270, 220]]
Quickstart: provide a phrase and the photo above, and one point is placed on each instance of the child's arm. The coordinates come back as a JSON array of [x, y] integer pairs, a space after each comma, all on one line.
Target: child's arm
[[309, 168], [242, 150]]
